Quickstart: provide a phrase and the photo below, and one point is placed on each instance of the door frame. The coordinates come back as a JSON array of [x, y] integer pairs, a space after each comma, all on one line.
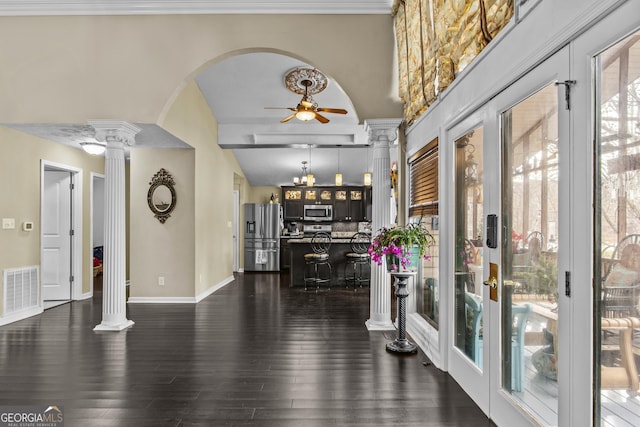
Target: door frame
[[236, 230], [76, 222], [93, 176]]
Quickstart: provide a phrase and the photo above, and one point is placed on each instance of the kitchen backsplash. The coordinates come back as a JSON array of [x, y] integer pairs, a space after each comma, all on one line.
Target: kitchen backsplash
[[338, 229]]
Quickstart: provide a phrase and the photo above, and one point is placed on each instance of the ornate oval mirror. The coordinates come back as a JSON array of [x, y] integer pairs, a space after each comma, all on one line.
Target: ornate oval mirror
[[162, 195]]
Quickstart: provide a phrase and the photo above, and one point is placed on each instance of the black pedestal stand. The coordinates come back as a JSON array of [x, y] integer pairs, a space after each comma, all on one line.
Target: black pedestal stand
[[401, 344]]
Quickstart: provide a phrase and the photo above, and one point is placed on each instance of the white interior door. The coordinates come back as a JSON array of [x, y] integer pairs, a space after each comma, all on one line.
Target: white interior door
[[56, 238]]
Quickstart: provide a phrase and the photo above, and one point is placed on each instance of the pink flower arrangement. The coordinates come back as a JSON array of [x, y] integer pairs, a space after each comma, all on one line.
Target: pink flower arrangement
[[398, 242]]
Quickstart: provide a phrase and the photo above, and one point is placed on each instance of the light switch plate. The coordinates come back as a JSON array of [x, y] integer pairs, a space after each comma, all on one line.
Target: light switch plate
[[8, 223]]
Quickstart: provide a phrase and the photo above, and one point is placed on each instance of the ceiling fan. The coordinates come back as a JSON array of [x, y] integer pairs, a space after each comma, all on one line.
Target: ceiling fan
[[307, 109]]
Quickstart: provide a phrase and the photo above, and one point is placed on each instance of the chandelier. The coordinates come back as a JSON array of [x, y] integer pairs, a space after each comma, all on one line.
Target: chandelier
[[303, 178]]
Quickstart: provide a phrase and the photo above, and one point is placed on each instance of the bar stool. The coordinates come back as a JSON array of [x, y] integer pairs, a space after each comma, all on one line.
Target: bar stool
[[317, 261], [356, 268]]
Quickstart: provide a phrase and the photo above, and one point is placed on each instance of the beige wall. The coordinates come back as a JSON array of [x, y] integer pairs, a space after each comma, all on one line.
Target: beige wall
[[69, 69], [158, 249], [20, 164], [217, 174], [263, 194]]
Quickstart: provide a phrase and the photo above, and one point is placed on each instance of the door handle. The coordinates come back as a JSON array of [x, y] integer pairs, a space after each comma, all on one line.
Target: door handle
[[492, 281]]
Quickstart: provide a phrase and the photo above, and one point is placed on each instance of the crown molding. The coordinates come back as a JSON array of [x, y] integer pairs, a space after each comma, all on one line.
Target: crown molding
[[187, 7]]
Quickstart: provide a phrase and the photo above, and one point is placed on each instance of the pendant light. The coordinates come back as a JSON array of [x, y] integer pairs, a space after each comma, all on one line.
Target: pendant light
[[310, 178], [367, 175], [302, 179], [338, 175], [367, 179]]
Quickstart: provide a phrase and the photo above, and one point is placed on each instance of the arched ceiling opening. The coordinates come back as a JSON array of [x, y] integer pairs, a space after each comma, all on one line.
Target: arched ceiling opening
[[242, 91]]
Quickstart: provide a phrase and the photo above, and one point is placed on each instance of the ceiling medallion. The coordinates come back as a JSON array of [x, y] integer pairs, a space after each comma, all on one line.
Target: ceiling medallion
[[297, 81]]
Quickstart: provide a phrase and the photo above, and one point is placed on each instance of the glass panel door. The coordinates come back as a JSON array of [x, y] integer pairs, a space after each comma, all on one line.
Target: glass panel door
[[528, 307], [617, 266], [468, 312], [507, 158], [468, 245]]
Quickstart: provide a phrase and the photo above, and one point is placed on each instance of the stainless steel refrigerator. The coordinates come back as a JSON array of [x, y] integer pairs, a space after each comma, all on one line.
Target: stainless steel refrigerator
[[261, 237]]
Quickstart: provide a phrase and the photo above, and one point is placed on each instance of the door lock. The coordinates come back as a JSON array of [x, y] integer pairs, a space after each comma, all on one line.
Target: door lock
[[492, 281]]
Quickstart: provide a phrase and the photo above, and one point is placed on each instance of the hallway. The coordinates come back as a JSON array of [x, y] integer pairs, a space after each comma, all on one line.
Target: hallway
[[254, 353]]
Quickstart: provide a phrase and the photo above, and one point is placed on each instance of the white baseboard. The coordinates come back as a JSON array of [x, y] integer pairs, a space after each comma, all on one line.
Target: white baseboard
[[181, 300], [427, 338], [86, 295], [20, 315], [162, 300], [214, 288]]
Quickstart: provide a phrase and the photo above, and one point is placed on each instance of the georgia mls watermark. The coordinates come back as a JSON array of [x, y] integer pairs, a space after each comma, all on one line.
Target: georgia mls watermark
[[31, 416]]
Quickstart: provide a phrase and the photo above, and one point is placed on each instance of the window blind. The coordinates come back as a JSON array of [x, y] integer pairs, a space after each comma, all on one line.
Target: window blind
[[423, 181]]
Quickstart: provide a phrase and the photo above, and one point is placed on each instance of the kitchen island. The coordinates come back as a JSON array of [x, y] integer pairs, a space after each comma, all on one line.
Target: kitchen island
[[298, 247]]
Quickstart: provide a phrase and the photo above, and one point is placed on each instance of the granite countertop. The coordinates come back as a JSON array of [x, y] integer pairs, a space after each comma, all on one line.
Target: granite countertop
[[336, 236], [308, 240]]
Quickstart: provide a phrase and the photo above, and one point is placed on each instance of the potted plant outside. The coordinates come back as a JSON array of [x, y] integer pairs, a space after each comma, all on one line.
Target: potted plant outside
[[402, 246]]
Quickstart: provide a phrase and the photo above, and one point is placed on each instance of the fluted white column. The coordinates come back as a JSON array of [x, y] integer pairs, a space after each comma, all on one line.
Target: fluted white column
[[114, 310], [381, 134]]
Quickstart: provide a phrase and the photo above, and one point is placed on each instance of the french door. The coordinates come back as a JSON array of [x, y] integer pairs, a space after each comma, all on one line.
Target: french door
[[608, 59], [510, 236]]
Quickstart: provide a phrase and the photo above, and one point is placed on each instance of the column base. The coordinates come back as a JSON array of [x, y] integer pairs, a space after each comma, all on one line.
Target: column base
[[384, 325], [119, 327], [402, 346]]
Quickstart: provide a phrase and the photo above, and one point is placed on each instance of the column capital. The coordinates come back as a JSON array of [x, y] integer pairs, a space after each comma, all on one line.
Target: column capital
[[115, 131], [383, 130]]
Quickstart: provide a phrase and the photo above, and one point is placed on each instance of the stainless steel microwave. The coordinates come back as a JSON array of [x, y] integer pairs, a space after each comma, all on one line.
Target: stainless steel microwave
[[318, 212]]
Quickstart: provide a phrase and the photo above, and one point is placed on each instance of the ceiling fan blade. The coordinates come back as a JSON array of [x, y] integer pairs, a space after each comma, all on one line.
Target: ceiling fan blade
[[280, 108], [321, 118], [333, 110], [286, 119]]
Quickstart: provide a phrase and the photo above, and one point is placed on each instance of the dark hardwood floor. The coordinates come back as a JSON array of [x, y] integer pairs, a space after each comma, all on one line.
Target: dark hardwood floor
[[254, 353]]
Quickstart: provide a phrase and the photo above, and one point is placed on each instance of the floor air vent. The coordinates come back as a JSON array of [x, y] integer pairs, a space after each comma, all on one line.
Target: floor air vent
[[20, 289]]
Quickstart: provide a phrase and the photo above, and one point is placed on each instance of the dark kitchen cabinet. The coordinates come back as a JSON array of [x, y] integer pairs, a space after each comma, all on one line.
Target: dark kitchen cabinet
[[348, 204], [292, 203], [356, 204], [318, 195], [285, 254], [341, 204], [368, 203]]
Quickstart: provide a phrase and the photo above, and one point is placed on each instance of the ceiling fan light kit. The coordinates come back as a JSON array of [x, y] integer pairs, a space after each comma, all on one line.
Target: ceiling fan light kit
[[307, 82], [305, 115]]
